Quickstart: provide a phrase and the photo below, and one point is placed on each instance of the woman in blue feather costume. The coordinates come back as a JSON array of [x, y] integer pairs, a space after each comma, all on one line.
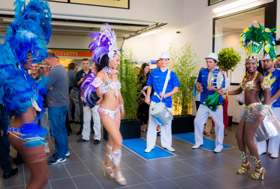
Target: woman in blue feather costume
[[25, 43]]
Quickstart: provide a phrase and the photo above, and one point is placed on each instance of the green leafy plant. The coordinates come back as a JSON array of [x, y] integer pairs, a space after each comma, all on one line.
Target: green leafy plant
[[130, 88], [183, 62], [228, 58]]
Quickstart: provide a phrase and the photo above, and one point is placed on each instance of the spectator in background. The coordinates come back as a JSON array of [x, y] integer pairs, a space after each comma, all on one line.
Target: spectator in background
[[143, 109], [58, 102], [274, 76], [79, 80], [196, 94], [74, 94], [203, 110], [7, 169], [225, 105], [90, 113], [156, 81], [43, 121], [277, 63]]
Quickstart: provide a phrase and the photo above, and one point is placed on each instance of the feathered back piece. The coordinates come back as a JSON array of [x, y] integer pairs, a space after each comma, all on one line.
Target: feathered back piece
[[258, 41], [30, 30], [28, 34], [104, 42]]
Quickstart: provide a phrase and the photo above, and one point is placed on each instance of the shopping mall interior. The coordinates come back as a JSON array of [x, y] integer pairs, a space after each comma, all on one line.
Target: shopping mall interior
[[146, 28]]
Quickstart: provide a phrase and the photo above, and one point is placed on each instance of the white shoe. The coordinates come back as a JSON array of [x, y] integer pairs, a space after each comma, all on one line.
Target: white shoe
[[196, 146], [218, 149], [274, 156], [147, 150], [170, 149]]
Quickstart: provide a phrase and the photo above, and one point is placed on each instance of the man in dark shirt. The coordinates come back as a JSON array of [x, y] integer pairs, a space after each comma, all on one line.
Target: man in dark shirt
[[79, 80]]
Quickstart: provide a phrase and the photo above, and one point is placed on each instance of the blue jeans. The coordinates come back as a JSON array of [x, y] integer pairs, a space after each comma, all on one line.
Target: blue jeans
[[57, 117]]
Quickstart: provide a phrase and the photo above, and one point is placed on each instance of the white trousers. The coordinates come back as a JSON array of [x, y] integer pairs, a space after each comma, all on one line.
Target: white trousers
[[201, 118], [274, 143], [166, 135], [97, 123]]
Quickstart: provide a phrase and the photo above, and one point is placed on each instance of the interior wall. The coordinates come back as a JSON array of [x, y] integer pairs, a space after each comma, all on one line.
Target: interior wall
[[143, 10]]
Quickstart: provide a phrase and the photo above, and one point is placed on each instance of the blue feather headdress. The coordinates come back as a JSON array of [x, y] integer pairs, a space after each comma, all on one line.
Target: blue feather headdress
[[31, 30], [104, 42], [29, 33]]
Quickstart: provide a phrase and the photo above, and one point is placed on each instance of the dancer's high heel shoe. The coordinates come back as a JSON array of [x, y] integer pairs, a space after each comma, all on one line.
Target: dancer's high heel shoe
[[120, 178], [258, 173], [245, 167], [109, 171]]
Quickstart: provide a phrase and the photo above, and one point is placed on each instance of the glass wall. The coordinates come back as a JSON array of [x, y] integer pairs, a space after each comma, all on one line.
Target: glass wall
[[226, 34]]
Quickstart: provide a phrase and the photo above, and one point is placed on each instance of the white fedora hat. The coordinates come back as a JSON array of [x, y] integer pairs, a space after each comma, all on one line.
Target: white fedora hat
[[164, 55], [266, 57], [213, 56]]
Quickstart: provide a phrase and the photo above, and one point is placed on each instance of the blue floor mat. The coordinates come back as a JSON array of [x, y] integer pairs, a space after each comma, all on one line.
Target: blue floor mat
[[138, 146], [208, 144]]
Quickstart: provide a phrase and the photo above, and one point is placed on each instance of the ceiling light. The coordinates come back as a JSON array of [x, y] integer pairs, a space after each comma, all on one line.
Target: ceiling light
[[233, 5], [239, 9], [151, 32]]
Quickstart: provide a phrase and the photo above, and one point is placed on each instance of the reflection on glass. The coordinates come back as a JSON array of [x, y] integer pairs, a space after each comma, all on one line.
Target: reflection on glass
[[227, 31]]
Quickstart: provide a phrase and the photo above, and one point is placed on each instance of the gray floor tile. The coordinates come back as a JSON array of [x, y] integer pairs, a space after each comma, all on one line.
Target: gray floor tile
[[141, 186], [184, 168], [132, 177], [86, 182], [209, 182], [76, 169], [149, 174], [133, 161], [264, 185], [186, 182], [85, 155], [230, 178], [16, 187], [188, 169], [57, 172], [164, 184], [73, 158], [16, 180], [63, 183]]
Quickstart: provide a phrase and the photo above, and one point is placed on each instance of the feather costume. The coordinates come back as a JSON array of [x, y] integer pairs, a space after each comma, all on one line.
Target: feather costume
[[27, 35], [104, 42], [88, 89], [258, 41]]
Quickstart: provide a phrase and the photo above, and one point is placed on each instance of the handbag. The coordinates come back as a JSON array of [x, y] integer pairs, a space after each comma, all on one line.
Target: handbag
[[159, 111]]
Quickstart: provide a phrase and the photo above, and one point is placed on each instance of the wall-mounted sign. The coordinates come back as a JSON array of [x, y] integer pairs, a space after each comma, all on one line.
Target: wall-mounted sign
[[72, 53], [104, 3]]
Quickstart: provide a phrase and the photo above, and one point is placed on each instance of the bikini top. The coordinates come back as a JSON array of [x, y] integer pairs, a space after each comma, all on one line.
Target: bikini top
[[249, 84], [111, 84]]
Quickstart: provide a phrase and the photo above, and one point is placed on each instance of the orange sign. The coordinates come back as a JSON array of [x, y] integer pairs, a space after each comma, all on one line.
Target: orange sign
[[72, 53]]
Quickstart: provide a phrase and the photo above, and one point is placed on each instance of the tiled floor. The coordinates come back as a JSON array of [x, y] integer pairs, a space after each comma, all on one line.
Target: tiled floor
[[188, 169]]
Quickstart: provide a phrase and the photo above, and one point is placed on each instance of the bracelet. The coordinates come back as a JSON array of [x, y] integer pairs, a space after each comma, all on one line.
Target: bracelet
[[227, 93], [121, 107]]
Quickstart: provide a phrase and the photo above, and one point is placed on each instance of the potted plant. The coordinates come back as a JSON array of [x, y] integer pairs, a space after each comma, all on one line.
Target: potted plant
[[130, 90], [183, 62], [228, 58]]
